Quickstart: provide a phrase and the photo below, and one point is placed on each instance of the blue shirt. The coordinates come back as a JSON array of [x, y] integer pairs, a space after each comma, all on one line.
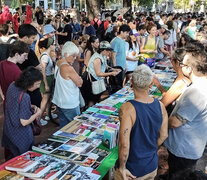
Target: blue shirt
[[143, 158], [17, 138], [189, 140], [90, 30], [118, 46]]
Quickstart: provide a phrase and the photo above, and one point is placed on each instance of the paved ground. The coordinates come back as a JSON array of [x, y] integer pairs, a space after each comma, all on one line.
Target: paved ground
[[50, 128]]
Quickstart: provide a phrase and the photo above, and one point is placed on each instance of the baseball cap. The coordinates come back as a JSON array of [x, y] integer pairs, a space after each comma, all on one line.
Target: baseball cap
[[164, 26], [48, 29], [105, 45]]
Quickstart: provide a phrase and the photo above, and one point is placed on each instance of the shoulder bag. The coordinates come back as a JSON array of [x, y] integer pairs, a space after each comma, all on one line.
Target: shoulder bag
[[97, 86]]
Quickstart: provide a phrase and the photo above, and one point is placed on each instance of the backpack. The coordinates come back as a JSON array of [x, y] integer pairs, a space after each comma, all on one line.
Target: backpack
[[4, 53], [100, 33]]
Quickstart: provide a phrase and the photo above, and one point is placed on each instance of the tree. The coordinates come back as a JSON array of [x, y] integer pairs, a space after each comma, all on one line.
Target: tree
[[127, 3], [93, 8]]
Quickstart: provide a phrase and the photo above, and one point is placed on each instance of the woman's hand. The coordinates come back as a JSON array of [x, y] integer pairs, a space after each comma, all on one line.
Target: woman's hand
[[38, 113], [114, 73], [47, 89]]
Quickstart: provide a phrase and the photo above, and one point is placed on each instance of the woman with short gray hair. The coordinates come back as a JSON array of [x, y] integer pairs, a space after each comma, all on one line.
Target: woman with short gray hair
[[66, 94]]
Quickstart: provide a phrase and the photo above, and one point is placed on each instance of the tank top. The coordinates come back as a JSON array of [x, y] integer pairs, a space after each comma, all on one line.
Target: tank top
[[66, 94], [91, 69], [150, 45], [49, 68], [143, 157]]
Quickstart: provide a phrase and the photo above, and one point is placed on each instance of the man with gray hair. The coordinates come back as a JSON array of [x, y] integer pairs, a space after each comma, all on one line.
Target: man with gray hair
[[143, 128]]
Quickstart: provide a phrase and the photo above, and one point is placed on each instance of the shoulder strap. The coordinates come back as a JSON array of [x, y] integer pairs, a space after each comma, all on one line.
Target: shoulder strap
[[60, 67], [44, 53], [20, 97], [146, 39]]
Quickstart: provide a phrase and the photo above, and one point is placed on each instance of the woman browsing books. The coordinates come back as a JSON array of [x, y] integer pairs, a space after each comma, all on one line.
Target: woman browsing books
[[19, 114], [95, 72]]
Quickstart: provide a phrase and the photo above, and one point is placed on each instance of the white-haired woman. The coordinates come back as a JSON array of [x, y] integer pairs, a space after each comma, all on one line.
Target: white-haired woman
[[66, 94]]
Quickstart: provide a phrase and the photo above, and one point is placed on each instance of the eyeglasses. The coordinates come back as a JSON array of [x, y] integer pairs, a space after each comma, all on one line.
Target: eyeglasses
[[182, 65]]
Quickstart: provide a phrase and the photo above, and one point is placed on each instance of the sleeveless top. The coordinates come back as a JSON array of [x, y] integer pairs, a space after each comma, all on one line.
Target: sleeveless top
[[91, 69], [143, 157], [66, 94], [150, 45], [49, 68]]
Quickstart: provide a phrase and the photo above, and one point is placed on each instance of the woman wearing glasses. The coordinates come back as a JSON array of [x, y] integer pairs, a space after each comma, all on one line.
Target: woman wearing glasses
[[170, 97]]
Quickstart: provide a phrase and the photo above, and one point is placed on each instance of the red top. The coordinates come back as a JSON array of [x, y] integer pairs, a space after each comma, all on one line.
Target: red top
[[11, 73]]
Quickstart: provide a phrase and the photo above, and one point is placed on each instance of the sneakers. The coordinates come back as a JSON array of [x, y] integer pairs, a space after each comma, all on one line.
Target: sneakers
[[54, 116], [43, 122]]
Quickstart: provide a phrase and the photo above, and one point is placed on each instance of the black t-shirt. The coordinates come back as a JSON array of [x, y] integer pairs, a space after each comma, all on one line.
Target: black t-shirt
[[31, 61], [64, 39], [40, 17], [68, 29]]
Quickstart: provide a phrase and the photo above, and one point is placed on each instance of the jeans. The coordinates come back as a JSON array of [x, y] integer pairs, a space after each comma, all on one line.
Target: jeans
[[67, 115]]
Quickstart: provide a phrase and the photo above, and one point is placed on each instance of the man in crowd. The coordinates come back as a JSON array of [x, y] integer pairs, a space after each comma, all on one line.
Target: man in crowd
[[27, 33], [119, 51], [188, 121], [143, 128], [88, 29], [161, 51]]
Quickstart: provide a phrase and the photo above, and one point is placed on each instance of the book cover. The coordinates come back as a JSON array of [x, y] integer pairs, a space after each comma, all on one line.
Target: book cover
[[59, 139], [79, 138], [108, 108], [95, 165], [72, 142], [36, 171], [88, 162], [68, 168], [21, 165], [78, 148], [65, 134], [104, 112], [4, 175], [61, 154], [73, 156], [80, 158], [102, 116], [65, 147], [92, 109], [47, 147], [56, 166], [101, 153], [69, 128], [88, 149], [108, 139]]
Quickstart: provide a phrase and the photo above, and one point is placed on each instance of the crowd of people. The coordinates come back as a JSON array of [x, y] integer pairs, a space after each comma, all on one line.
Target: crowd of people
[[58, 58]]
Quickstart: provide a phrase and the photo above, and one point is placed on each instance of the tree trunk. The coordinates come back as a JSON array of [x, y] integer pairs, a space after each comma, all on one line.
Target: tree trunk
[[127, 3], [93, 8]]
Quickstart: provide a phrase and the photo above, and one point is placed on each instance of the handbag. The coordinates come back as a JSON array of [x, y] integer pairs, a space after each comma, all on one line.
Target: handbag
[[36, 125], [97, 86]]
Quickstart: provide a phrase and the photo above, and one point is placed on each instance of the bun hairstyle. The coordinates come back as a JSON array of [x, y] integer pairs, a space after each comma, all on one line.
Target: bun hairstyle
[[45, 43], [150, 26]]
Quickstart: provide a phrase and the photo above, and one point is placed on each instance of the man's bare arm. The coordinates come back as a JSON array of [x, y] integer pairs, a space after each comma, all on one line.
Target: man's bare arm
[[126, 114], [163, 133]]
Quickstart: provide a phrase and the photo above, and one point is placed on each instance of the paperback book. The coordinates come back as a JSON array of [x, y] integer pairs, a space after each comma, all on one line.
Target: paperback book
[[47, 147], [4, 175]]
